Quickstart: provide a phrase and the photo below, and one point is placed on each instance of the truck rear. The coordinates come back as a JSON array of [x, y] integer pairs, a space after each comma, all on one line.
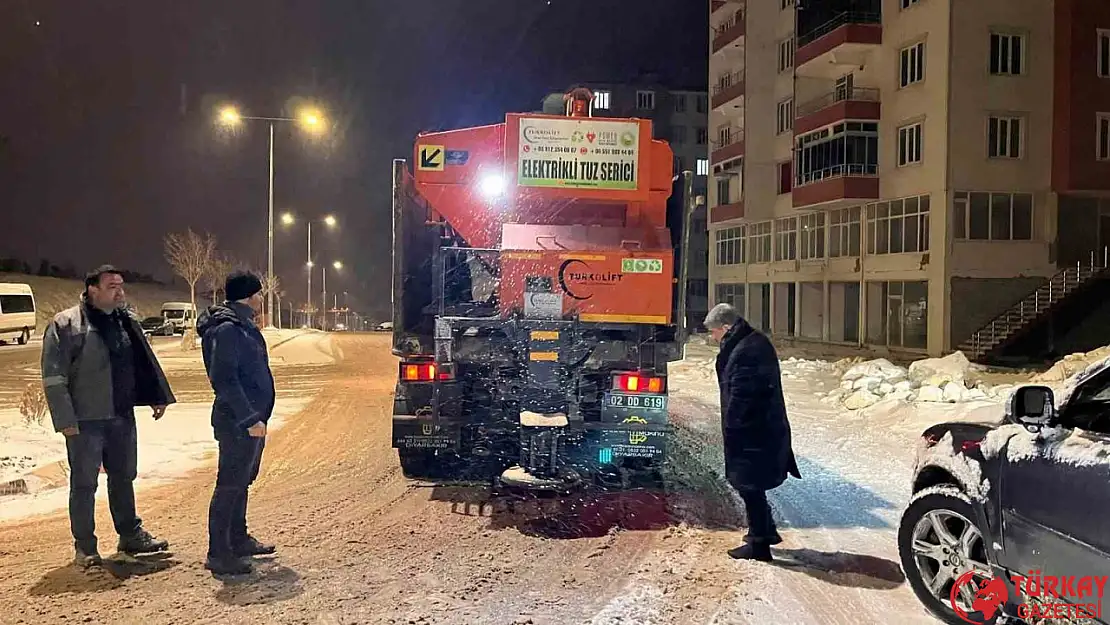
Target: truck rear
[[534, 292]]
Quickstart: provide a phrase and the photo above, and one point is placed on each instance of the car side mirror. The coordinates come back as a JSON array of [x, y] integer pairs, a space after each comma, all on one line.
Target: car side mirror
[[1032, 407]]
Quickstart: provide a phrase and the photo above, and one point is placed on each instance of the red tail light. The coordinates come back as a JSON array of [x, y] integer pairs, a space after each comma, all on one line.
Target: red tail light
[[425, 371], [636, 383]]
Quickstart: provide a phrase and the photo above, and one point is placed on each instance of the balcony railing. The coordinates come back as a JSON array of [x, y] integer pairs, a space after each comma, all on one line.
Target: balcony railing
[[836, 171], [732, 21], [727, 81], [848, 17], [734, 136], [841, 94]]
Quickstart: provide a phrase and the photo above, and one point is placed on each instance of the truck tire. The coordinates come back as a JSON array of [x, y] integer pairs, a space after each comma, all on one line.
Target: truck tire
[[417, 463], [24, 337]]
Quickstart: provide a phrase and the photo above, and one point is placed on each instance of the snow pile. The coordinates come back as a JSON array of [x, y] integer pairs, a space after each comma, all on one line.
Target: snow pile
[[1071, 365], [937, 380]]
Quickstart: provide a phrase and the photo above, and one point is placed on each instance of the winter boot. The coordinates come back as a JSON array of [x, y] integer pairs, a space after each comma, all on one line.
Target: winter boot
[[252, 547], [87, 559], [227, 565], [141, 542], [752, 551]]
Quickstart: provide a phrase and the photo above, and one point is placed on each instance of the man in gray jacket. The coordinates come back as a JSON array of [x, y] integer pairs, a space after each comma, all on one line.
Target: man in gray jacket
[[96, 367]]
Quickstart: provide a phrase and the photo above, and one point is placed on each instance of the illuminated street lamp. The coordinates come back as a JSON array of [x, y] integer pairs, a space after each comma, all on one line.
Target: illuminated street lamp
[[310, 120], [337, 265], [288, 219]]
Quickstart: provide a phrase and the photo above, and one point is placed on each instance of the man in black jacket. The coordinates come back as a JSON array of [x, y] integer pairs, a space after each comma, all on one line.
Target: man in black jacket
[[238, 367], [757, 450]]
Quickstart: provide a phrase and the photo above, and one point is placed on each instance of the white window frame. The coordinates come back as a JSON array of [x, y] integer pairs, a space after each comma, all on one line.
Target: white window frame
[[1102, 136], [603, 100], [920, 215], [915, 72], [908, 3], [645, 100], [724, 188], [1002, 148], [843, 223], [784, 118], [702, 135], [962, 215], [1102, 53], [729, 246], [786, 54], [811, 236], [786, 239], [910, 138], [1005, 50], [680, 103], [759, 242], [702, 167]]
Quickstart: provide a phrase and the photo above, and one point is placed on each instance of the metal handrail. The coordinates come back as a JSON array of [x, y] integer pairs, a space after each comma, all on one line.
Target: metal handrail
[[735, 135], [836, 171], [733, 20], [728, 81], [843, 94], [847, 17]]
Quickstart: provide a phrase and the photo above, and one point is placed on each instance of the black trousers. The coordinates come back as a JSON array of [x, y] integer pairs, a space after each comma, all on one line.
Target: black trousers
[[114, 444], [240, 459], [761, 525]]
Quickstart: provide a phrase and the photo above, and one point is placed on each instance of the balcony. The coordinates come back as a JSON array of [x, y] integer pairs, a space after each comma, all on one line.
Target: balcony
[[729, 146], [728, 88], [837, 186], [850, 33], [729, 32], [842, 103], [725, 212]]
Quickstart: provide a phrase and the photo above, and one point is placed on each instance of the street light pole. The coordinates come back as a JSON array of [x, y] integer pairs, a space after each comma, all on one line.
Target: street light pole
[[270, 259], [308, 302], [324, 296]]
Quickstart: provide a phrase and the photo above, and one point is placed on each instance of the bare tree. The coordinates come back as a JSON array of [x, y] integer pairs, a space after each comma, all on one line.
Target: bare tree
[[214, 278], [270, 284], [190, 255]]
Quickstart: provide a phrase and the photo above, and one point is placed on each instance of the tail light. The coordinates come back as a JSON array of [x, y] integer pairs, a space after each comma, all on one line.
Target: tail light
[[636, 383], [425, 371]]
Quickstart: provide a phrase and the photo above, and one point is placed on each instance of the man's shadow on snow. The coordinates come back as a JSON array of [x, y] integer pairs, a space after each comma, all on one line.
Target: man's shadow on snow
[[270, 582], [842, 569], [825, 499]]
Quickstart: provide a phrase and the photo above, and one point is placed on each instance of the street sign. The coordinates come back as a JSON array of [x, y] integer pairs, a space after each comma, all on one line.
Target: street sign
[[431, 158]]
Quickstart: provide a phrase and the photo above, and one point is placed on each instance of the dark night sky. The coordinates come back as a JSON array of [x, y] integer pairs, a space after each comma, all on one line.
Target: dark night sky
[[103, 155]]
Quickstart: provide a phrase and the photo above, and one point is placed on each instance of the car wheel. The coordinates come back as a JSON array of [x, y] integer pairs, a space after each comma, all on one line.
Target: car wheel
[[24, 337], [938, 543]]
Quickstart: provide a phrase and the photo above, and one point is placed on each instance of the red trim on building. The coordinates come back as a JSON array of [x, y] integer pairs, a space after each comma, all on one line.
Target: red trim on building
[[839, 111], [848, 33], [1078, 95], [724, 212], [717, 4], [728, 94], [728, 36], [832, 189], [729, 151]]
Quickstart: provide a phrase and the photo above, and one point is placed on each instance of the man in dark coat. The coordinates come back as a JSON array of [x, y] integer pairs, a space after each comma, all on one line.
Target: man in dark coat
[[96, 368], [757, 450], [238, 367]]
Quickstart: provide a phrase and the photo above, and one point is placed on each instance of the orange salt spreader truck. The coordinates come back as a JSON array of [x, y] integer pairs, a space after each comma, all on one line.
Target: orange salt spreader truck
[[534, 301]]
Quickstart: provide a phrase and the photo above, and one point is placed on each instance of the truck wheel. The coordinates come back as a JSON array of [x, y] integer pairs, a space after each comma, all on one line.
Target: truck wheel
[[24, 337], [417, 463]]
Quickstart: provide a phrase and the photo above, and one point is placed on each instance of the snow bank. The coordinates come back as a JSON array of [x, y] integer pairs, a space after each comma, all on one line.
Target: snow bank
[[1072, 365], [168, 449], [932, 380]]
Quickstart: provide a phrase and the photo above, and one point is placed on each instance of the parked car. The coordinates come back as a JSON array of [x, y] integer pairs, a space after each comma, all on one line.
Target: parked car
[[386, 326], [1025, 496], [157, 326], [17, 312]]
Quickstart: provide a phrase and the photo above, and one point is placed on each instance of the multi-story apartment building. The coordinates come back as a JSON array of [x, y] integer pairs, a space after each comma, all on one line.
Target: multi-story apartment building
[[896, 174], [680, 117]]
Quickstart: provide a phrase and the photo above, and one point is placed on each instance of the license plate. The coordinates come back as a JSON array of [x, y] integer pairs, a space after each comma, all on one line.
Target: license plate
[[424, 435], [648, 403]]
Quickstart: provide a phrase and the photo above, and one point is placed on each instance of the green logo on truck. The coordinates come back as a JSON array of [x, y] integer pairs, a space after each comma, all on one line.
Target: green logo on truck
[[642, 265]]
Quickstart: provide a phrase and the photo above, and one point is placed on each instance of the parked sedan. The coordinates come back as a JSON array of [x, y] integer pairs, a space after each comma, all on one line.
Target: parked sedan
[[156, 326], [996, 504]]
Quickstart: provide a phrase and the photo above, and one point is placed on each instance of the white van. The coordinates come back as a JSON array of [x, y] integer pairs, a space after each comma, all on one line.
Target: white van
[[180, 315], [17, 312]]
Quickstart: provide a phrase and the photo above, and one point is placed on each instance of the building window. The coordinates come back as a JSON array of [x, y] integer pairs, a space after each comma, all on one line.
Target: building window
[[811, 231], [1004, 137], [786, 238], [702, 167], [785, 177], [844, 232], [732, 294], [724, 190], [844, 149], [679, 135], [897, 314], [981, 216], [679, 164], [602, 99], [786, 4], [680, 103], [1102, 123], [785, 118], [730, 246], [912, 65], [703, 104], [1007, 52], [645, 100], [759, 242], [898, 226], [786, 54], [1104, 53], [908, 3], [703, 135], [909, 145]]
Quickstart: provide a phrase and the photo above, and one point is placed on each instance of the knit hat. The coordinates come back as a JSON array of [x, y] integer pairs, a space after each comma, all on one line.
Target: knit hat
[[241, 285]]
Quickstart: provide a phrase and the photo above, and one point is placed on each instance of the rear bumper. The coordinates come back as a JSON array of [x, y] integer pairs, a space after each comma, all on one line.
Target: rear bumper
[[413, 432]]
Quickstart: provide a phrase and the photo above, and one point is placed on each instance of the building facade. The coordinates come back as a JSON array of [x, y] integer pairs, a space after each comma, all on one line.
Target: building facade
[[897, 174], [680, 117]]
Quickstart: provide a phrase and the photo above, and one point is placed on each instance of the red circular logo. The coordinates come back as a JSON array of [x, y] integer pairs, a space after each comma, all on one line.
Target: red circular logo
[[990, 594]]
